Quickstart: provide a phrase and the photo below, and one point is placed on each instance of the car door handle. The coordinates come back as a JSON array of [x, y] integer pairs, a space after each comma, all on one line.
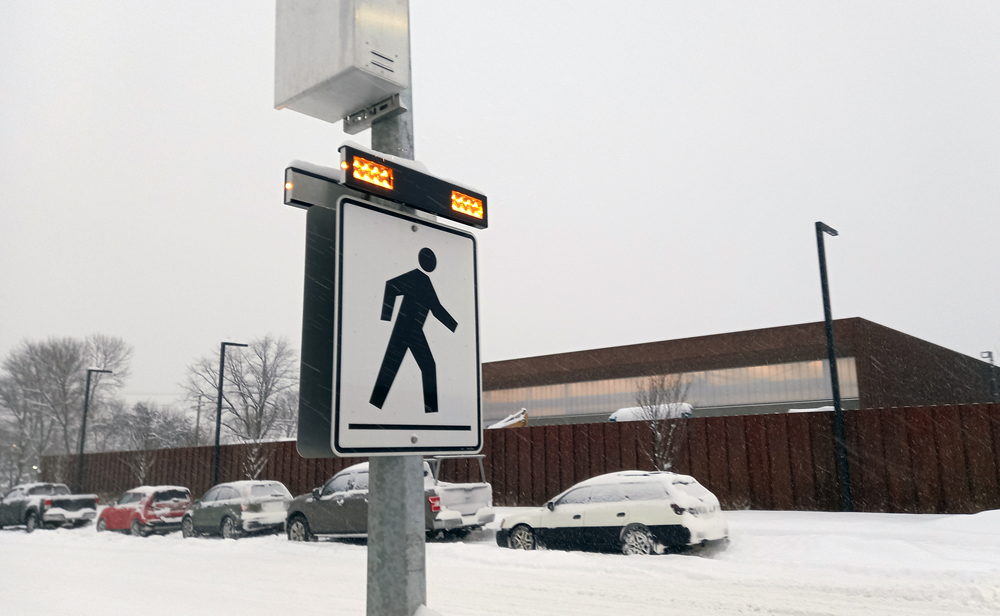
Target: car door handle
[[576, 517], [621, 515]]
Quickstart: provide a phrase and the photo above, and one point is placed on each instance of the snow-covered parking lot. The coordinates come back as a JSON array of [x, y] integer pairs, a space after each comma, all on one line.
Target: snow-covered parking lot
[[778, 563]]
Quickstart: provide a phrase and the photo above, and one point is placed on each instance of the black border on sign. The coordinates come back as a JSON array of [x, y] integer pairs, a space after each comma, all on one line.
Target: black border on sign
[[353, 451]]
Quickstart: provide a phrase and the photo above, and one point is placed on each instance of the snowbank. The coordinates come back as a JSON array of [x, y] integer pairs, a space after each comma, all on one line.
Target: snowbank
[[802, 563]]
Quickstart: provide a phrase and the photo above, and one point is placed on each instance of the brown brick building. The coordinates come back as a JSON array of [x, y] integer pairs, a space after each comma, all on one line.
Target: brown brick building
[[758, 371]]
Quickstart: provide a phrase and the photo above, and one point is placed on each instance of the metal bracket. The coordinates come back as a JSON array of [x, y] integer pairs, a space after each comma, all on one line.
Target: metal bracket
[[359, 121]]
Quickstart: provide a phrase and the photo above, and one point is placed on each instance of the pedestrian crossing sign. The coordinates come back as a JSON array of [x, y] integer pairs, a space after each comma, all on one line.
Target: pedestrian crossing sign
[[406, 360]]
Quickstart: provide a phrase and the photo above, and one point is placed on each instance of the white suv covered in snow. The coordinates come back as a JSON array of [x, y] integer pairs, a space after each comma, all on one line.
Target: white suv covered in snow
[[636, 512]]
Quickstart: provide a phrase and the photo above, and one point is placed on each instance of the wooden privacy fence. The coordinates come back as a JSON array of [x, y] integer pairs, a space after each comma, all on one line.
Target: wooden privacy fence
[[941, 459]]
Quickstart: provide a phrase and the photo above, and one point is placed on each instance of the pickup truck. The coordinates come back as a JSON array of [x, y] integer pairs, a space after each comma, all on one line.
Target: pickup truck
[[340, 507], [42, 505]]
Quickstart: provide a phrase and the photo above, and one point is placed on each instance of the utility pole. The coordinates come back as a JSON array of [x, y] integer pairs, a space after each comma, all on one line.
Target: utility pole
[[831, 350], [197, 423], [83, 428], [218, 409]]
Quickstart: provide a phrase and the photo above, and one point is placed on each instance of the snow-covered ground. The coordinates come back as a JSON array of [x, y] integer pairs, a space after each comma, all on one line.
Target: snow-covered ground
[[789, 563]]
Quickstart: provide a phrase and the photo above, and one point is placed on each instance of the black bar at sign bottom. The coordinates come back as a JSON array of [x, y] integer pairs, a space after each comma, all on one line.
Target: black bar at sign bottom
[[407, 427]]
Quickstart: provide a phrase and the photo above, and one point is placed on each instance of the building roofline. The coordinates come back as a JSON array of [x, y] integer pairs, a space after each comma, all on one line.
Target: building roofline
[[772, 345]]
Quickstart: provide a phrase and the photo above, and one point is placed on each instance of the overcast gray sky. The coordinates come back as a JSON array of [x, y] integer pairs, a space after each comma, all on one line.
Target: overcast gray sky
[[654, 170]]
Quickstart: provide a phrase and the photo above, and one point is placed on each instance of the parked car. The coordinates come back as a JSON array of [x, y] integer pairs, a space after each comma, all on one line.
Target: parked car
[[340, 507], [636, 512], [41, 505], [670, 410], [238, 508], [146, 509]]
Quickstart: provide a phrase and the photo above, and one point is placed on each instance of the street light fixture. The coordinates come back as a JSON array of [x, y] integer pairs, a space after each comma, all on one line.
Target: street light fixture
[[83, 428], [218, 409], [993, 374], [831, 350]]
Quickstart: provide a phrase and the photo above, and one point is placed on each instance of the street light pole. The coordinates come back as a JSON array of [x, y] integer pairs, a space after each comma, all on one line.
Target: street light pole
[[218, 408], [831, 350], [83, 428]]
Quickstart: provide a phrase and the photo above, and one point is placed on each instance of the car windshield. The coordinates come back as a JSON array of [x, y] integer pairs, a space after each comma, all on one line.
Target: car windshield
[[168, 495], [49, 490], [360, 482], [131, 497], [269, 490], [689, 486]]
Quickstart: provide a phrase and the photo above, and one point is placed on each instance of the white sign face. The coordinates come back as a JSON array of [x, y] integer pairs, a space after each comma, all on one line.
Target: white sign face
[[406, 364]]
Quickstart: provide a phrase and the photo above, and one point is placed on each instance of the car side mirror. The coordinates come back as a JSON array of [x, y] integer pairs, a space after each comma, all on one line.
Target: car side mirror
[[316, 492], [550, 506]]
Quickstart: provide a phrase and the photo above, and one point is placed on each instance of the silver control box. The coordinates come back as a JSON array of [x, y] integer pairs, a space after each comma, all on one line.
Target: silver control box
[[334, 58]]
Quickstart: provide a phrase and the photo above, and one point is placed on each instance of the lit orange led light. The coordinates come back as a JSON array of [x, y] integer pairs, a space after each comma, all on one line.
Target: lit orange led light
[[288, 185], [466, 204], [344, 165], [372, 172]]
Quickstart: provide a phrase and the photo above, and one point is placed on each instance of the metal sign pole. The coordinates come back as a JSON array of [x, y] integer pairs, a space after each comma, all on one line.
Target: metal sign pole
[[397, 571]]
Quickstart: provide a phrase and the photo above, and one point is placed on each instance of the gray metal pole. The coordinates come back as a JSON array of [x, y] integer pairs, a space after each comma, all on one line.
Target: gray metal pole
[[218, 409], [397, 564], [831, 350], [397, 572], [83, 429]]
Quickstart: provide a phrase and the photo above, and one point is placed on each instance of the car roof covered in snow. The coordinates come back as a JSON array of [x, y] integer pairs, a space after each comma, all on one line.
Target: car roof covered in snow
[[362, 467], [637, 477], [35, 484], [246, 483], [152, 489]]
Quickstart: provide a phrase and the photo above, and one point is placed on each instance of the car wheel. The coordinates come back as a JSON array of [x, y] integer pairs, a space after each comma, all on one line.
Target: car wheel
[[136, 529], [31, 522], [636, 539], [102, 525], [298, 529], [228, 529], [522, 538], [187, 527]]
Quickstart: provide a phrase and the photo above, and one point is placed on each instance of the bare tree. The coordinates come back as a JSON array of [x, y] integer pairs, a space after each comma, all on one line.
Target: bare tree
[[42, 392], [260, 395], [26, 432], [143, 430], [659, 398]]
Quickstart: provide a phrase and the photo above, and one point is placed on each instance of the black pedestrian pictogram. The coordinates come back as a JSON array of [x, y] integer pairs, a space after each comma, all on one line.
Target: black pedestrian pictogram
[[419, 299]]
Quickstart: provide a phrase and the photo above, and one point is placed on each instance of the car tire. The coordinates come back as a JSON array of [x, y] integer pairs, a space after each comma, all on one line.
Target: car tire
[[228, 529], [298, 529], [522, 538], [102, 525], [135, 529], [31, 522], [187, 528], [636, 539]]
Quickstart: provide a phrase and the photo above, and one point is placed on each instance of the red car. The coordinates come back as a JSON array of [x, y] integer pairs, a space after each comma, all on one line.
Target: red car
[[147, 509]]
